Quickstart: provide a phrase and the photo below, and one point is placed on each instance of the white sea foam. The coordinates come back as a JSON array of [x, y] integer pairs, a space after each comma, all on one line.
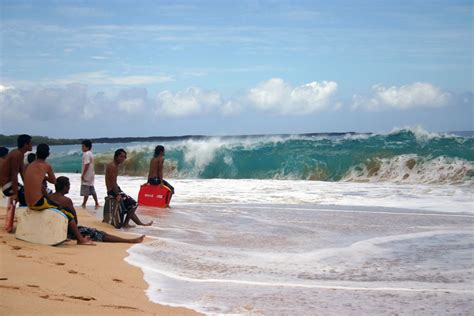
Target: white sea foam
[[271, 247]]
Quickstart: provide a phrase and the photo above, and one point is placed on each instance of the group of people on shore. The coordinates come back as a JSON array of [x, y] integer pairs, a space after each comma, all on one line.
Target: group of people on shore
[[34, 193]]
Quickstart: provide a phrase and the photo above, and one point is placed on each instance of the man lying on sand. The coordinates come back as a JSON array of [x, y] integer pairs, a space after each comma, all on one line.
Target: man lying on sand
[[35, 192], [111, 173], [62, 188]]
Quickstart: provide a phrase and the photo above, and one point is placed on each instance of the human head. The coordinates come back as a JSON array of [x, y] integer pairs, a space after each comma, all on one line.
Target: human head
[[24, 140], [158, 150], [31, 157], [62, 184], [42, 151], [120, 155], [3, 152], [86, 145]]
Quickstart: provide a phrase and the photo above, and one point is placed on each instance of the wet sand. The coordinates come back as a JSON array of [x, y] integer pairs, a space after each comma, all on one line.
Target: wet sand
[[72, 279]]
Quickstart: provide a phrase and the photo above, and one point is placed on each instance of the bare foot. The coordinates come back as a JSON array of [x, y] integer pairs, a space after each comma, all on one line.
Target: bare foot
[[83, 205], [128, 226], [86, 241], [97, 206], [137, 240], [147, 224]]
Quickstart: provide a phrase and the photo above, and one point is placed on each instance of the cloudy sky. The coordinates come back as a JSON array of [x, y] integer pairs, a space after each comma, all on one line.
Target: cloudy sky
[[146, 68]]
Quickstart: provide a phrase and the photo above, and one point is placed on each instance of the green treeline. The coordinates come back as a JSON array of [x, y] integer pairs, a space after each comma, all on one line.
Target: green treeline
[[10, 140]]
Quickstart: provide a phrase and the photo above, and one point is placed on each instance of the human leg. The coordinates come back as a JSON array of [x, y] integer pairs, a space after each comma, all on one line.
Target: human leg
[[97, 205], [113, 238]]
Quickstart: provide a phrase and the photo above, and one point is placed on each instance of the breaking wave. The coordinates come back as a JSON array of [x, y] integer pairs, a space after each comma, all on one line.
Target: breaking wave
[[402, 156]]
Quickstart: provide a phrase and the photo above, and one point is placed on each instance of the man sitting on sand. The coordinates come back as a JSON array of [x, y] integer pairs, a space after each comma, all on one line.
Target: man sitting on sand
[[11, 167], [111, 173], [62, 188], [35, 192], [155, 174]]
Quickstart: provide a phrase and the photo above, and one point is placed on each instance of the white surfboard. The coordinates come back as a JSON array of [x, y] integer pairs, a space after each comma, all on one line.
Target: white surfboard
[[47, 227]]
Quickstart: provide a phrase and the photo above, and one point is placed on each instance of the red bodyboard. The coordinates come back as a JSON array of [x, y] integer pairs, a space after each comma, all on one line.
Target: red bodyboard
[[10, 215], [154, 195]]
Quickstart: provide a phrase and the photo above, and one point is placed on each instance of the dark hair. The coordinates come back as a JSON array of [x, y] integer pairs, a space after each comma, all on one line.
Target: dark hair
[[61, 183], [22, 140], [31, 157], [87, 143], [42, 151], [158, 150], [118, 152], [3, 151]]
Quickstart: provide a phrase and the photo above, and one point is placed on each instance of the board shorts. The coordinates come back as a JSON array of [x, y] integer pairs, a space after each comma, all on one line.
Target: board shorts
[[7, 190], [94, 234], [129, 203], [45, 203], [87, 190], [156, 181]]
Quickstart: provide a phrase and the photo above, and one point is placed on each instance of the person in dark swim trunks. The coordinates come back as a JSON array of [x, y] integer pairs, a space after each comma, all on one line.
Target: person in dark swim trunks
[[11, 167], [62, 188], [111, 174], [35, 194], [155, 173]]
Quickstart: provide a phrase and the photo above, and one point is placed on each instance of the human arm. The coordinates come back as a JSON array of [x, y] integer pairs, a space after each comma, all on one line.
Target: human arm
[[84, 170], [67, 202], [160, 170], [86, 164], [50, 177], [111, 173], [16, 167]]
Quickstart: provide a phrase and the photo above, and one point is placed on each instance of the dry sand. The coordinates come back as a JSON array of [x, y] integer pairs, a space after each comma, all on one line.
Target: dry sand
[[72, 279]]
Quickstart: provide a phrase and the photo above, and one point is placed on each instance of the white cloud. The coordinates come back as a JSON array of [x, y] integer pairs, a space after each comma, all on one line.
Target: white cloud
[[5, 88], [188, 102], [277, 96], [103, 78], [132, 100], [418, 94]]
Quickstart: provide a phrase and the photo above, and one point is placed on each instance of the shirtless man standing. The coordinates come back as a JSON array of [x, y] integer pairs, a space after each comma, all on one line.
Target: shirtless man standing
[[62, 188], [35, 192], [155, 174], [12, 166], [111, 174]]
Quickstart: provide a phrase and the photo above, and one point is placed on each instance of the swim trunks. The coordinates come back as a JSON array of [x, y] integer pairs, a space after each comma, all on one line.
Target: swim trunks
[[128, 201], [7, 190], [156, 181], [45, 203], [94, 234], [87, 190]]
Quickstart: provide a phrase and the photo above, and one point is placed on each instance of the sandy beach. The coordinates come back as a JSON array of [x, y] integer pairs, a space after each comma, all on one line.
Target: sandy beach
[[71, 279]]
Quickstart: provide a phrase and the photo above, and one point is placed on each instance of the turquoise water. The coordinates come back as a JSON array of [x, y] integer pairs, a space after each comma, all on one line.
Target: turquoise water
[[404, 155]]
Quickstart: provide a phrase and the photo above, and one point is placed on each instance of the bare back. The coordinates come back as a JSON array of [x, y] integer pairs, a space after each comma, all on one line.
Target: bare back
[[12, 165], [156, 168], [37, 172], [111, 173]]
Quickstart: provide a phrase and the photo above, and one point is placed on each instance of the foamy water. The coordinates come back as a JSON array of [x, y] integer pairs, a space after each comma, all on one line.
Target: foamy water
[[281, 247]]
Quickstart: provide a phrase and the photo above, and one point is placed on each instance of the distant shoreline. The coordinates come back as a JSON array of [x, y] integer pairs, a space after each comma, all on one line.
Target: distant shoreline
[[10, 140]]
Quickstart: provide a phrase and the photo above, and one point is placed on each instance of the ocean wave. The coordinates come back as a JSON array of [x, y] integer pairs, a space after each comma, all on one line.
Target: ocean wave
[[413, 169], [403, 155]]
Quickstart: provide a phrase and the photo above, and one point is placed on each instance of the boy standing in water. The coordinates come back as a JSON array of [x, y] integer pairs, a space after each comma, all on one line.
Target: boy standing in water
[[88, 174], [155, 174]]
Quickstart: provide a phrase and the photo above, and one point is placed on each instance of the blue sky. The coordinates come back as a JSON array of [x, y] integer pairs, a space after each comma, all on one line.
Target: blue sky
[[145, 68]]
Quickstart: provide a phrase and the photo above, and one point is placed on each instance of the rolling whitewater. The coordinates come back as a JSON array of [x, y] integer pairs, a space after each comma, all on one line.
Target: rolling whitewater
[[405, 156], [304, 224]]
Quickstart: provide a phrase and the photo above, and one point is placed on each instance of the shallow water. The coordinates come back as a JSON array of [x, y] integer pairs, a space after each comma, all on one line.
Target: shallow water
[[282, 247]]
